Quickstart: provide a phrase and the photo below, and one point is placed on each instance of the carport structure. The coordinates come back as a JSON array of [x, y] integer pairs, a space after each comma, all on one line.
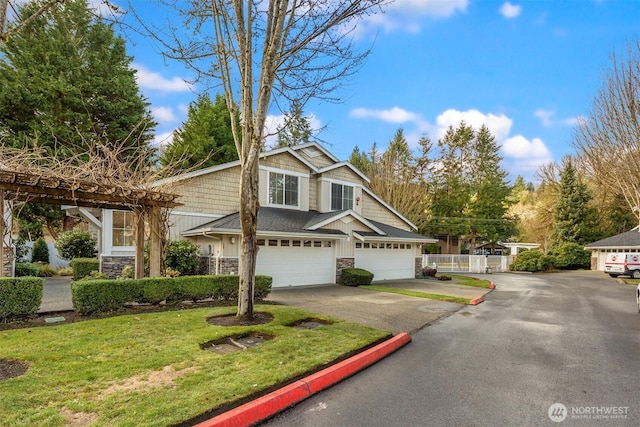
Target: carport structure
[[147, 204]]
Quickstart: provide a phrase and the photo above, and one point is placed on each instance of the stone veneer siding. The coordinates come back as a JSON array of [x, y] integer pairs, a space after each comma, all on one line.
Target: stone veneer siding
[[228, 265], [341, 264], [418, 267], [111, 266], [9, 262]]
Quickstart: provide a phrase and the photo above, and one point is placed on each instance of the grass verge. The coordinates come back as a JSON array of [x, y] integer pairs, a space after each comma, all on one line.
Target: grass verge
[[471, 281], [417, 294], [149, 369]]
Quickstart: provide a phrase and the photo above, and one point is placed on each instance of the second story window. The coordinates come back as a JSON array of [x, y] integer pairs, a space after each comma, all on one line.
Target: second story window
[[341, 197], [283, 189]]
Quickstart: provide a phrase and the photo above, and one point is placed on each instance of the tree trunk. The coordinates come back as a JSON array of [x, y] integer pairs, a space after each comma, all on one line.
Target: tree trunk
[[249, 204]]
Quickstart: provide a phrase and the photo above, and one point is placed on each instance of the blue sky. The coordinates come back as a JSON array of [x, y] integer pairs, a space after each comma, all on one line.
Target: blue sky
[[526, 69]]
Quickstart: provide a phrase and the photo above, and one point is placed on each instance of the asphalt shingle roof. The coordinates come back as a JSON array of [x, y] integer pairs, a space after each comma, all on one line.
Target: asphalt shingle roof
[[630, 239], [279, 220]]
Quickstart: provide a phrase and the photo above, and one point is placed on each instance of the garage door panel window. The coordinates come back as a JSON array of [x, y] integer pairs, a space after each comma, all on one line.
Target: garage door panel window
[[283, 189], [341, 197]]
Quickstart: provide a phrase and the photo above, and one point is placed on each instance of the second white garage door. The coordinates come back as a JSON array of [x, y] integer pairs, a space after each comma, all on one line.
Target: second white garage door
[[296, 262], [393, 261]]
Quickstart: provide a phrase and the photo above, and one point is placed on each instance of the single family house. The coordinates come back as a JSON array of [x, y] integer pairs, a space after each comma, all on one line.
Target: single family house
[[317, 216]]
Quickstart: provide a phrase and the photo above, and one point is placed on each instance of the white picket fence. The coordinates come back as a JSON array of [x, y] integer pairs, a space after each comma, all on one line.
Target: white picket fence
[[451, 263]]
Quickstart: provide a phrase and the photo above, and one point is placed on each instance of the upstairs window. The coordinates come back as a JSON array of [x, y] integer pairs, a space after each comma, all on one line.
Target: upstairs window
[[283, 189], [123, 231], [341, 197]]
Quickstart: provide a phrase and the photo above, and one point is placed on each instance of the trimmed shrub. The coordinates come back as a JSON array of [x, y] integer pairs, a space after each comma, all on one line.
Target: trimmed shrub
[[20, 296], [26, 269], [355, 277], [76, 244], [533, 261], [572, 256], [182, 256], [40, 251], [94, 296], [82, 267]]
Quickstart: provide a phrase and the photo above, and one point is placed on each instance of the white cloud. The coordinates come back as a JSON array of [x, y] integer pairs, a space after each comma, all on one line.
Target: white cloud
[[547, 118], [393, 115], [406, 14], [509, 10], [164, 114], [161, 140], [520, 147], [151, 80], [499, 125]]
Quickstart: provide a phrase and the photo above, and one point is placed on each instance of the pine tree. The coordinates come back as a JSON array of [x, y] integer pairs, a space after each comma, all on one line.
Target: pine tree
[[204, 139], [449, 185], [574, 219], [296, 128], [490, 192]]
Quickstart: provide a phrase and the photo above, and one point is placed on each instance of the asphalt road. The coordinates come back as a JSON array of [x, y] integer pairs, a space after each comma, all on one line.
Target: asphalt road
[[565, 343]]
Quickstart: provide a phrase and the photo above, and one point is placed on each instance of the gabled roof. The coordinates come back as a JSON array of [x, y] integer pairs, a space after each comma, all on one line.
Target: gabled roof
[[347, 165], [629, 239], [278, 221]]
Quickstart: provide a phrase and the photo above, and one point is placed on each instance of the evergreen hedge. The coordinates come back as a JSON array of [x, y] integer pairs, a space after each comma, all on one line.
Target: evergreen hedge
[[20, 296], [94, 296], [26, 269], [355, 277]]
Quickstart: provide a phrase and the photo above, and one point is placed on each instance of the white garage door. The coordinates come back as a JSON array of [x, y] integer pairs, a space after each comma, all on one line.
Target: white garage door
[[296, 262], [386, 261]]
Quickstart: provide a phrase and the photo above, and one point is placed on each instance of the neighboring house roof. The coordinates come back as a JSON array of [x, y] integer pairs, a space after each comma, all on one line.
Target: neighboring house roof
[[630, 239], [279, 221]]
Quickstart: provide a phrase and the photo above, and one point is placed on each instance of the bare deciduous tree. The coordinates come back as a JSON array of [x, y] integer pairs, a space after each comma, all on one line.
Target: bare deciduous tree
[[608, 140], [261, 51]]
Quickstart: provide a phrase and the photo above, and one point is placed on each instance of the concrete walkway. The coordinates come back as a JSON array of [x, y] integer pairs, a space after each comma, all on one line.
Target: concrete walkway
[[56, 295]]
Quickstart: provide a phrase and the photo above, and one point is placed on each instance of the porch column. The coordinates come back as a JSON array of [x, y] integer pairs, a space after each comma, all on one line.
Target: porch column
[[139, 243], [155, 252]]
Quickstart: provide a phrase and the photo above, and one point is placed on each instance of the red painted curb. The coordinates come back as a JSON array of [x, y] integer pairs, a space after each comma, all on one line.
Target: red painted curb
[[274, 402], [476, 301], [491, 285]]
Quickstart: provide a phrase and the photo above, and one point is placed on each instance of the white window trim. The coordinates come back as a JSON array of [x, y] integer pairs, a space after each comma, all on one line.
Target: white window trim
[[343, 183], [285, 172]]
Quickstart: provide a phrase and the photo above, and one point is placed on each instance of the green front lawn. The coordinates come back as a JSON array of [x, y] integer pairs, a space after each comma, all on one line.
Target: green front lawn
[[417, 294], [149, 369]]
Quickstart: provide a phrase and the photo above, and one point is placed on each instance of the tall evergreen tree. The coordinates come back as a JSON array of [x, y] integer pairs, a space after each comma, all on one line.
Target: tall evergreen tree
[[490, 191], [449, 185], [204, 139], [296, 128], [360, 160], [574, 219], [66, 85]]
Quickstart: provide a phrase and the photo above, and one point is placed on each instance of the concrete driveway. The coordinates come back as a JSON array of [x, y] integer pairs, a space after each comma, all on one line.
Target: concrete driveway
[[381, 310]]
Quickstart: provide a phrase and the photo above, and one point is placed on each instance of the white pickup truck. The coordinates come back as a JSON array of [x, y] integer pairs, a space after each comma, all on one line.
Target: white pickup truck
[[623, 264]]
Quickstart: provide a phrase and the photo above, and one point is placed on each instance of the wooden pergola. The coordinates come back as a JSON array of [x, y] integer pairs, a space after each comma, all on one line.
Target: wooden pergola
[[35, 188]]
